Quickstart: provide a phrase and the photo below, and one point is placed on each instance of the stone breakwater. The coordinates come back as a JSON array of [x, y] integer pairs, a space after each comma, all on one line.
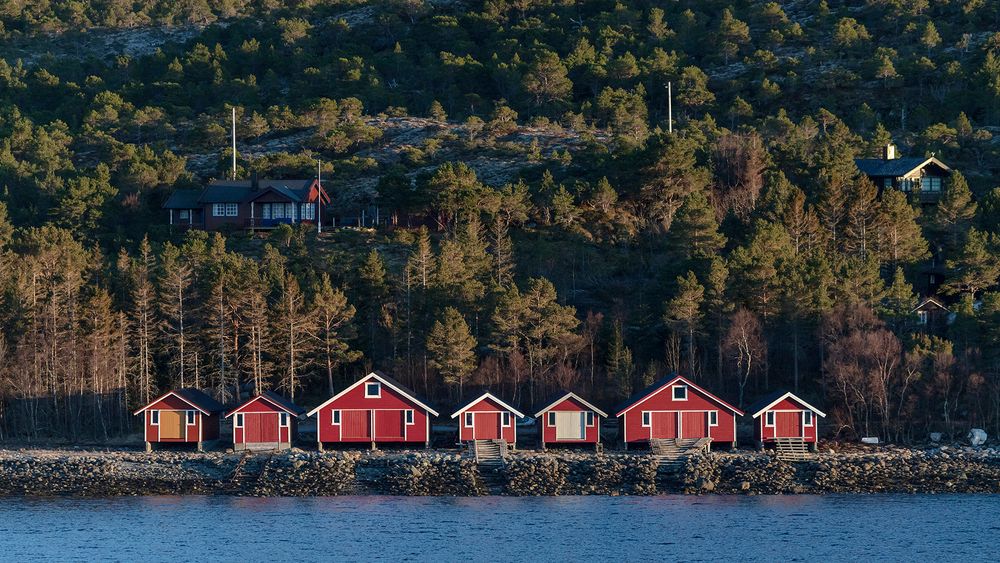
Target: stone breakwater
[[298, 473]]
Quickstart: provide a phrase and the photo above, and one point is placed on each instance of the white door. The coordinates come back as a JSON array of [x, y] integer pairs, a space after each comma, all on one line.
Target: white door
[[571, 425]]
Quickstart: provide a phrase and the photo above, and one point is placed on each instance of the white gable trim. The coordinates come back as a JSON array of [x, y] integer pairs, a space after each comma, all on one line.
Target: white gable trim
[[488, 395], [708, 395], [572, 395], [384, 382], [791, 396], [164, 396], [266, 399]]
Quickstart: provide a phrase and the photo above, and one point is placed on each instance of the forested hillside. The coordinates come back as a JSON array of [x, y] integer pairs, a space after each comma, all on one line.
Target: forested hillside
[[542, 227]]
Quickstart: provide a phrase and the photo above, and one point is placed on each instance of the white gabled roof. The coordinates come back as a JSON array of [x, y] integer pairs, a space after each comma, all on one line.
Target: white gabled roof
[[488, 395], [572, 395], [792, 396], [385, 381]]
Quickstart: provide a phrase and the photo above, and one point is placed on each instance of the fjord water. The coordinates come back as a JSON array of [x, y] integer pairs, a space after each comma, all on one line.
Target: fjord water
[[835, 527]]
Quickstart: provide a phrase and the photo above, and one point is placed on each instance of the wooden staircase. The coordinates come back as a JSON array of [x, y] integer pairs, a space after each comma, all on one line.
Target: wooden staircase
[[489, 452], [792, 449], [671, 453]]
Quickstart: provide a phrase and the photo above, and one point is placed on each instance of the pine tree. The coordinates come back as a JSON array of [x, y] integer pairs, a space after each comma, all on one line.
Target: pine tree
[[452, 349], [620, 366], [292, 326], [175, 303], [898, 304], [695, 231], [374, 293], [955, 211], [901, 239], [333, 315], [683, 314], [975, 266]]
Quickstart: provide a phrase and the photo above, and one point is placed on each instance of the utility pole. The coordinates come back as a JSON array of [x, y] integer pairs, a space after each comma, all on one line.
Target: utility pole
[[234, 143], [670, 108]]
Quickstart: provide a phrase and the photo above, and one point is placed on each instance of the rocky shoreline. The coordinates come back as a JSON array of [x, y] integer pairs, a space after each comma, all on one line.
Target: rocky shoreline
[[43, 473]]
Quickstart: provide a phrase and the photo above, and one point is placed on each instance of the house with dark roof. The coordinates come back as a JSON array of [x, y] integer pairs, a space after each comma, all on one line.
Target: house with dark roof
[[247, 204], [267, 421], [922, 175], [181, 416]]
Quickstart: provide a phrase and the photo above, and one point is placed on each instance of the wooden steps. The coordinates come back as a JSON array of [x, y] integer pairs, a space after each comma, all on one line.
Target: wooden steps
[[792, 449], [671, 453], [489, 452]]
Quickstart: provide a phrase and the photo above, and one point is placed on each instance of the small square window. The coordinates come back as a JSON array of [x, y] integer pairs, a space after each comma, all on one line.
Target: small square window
[[154, 417], [218, 210], [590, 418], [232, 209], [807, 417], [468, 420], [680, 392], [409, 417], [239, 420], [505, 419], [190, 418], [552, 418], [336, 417], [646, 416], [184, 214], [769, 418], [373, 389], [284, 419], [713, 418]]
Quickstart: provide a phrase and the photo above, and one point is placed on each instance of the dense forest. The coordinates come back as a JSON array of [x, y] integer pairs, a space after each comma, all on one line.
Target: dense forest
[[544, 225]]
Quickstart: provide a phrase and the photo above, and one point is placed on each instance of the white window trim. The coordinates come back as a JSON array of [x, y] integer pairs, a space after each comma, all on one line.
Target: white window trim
[[409, 417], [283, 420], [238, 423], [807, 415], [590, 418], [190, 418], [232, 209], [468, 420], [154, 418], [335, 417], [673, 392], [552, 418], [505, 419], [218, 210], [378, 392], [769, 419], [647, 419], [711, 415]]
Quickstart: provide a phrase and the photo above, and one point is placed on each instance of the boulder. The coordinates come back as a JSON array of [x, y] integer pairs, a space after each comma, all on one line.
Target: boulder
[[977, 436], [935, 437]]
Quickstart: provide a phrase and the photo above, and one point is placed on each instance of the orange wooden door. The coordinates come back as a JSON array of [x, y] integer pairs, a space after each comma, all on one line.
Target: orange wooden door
[[694, 425], [664, 425], [172, 424]]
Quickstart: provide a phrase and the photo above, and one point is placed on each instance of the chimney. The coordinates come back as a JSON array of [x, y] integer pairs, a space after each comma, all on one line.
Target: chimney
[[254, 182], [889, 152]]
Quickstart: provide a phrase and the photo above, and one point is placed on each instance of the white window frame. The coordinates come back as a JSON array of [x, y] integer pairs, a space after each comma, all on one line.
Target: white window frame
[[552, 418], [647, 419], [590, 419], [265, 211], [409, 417], [378, 390], [923, 317], [807, 418], [283, 420], [238, 423], [713, 418], [154, 418], [190, 418], [232, 209], [335, 417], [308, 211], [673, 392], [184, 214], [218, 210], [769, 419], [505, 419], [469, 420]]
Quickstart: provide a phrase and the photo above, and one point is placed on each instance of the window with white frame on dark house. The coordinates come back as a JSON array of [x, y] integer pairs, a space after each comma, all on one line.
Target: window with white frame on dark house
[[336, 417], [218, 210], [922, 317], [769, 418], [232, 209], [373, 389], [505, 419], [552, 418], [713, 418], [930, 184], [308, 211], [190, 417], [807, 418], [468, 420], [239, 420], [680, 392], [409, 417], [646, 417], [265, 211], [590, 418], [154, 417]]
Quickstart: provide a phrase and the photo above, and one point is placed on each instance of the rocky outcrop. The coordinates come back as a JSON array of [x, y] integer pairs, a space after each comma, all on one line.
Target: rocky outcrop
[[300, 473]]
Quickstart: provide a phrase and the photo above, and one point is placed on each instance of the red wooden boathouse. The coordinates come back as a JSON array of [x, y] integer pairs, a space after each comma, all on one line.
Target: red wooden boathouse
[[569, 420], [376, 409], [265, 422], [184, 416], [487, 418], [674, 407], [784, 415]]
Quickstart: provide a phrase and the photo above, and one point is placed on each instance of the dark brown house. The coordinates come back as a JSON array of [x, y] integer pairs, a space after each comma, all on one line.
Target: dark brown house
[[924, 175], [247, 204]]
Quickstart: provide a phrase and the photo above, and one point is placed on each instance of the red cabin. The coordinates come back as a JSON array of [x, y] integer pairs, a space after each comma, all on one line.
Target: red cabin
[[677, 408], [265, 422], [570, 420], [376, 409], [784, 415], [487, 418], [184, 416]]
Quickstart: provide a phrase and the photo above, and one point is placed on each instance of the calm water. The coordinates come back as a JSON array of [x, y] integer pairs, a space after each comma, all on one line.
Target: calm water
[[860, 528]]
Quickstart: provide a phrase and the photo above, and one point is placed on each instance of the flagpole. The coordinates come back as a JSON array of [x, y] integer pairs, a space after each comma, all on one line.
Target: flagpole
[[234, 142]]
